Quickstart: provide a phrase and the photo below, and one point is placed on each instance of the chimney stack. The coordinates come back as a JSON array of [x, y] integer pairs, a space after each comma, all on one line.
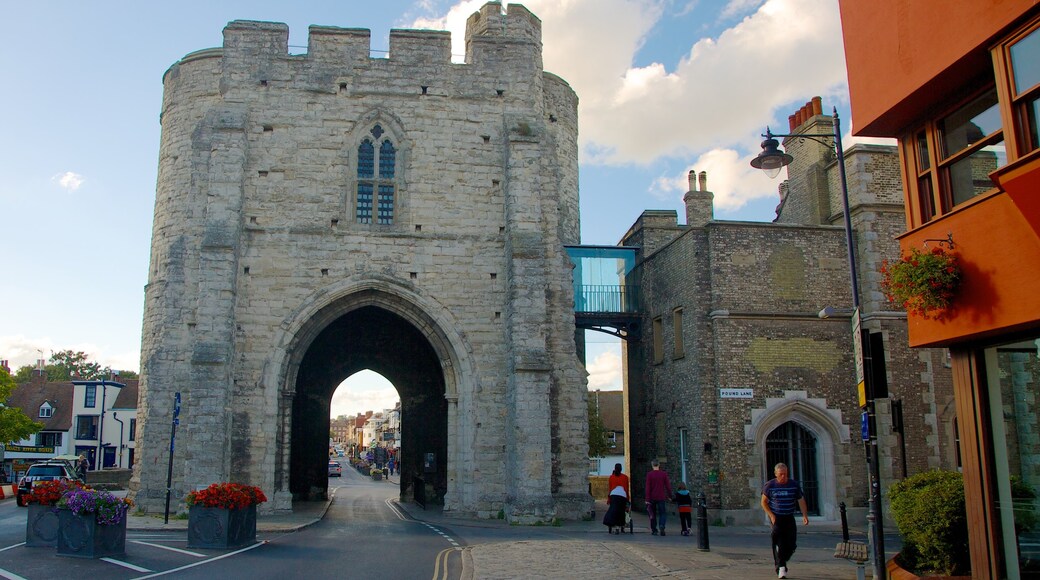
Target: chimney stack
[[700, 203]]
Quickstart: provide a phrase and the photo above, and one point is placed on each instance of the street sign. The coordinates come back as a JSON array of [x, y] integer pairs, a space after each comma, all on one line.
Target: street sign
[[857, 346], [864, 425]]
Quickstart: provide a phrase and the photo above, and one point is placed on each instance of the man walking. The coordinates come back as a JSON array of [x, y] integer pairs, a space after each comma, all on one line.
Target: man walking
[[780, 496], [658, 492]]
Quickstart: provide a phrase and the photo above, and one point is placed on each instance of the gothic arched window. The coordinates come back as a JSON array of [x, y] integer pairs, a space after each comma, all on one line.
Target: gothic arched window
[[376, 190]]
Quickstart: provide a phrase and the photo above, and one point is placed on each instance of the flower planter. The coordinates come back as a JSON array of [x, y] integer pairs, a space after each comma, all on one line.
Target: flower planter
[[377, 476], [41, 526], [221, 528], [80, 536], [897, 572]]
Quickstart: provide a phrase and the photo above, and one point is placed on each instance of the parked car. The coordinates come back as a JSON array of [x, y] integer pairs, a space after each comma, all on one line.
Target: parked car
[[335, 469], [44, 471]]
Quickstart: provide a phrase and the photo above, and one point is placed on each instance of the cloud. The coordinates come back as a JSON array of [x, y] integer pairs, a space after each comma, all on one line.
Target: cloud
[[605, 372], [721, 91], [363, 391], [730, 178], [68, 181], [20, 350]]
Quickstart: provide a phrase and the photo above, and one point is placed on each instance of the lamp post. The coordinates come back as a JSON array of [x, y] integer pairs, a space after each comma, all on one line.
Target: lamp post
[[771, 160]]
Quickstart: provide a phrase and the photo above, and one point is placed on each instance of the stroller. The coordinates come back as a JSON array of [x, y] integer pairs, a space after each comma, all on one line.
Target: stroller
[[618, 517]]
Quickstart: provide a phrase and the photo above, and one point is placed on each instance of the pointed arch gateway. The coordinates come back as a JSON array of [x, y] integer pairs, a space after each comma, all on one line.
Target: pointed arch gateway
[[378, 327], [807, 435]]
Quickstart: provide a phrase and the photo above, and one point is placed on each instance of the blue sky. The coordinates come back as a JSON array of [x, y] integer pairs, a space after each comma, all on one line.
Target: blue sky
[[664, 86]]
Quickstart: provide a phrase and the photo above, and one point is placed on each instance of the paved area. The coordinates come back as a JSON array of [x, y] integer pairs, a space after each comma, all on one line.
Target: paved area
[[581, 550]]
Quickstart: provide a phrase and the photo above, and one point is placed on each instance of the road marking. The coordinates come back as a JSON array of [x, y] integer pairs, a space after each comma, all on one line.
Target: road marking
[[10, 575], [125, 564], [440, 564], [187, 566], [14, 546], [162, 547]]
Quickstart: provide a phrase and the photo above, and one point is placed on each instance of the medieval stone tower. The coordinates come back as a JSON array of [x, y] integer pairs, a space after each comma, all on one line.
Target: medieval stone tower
[[328, 212]]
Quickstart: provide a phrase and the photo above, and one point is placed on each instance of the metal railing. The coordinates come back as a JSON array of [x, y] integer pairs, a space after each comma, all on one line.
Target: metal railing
[[618, 298]]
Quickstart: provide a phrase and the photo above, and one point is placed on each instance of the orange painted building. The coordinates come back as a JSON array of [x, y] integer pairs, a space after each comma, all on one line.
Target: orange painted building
[[957, 82]]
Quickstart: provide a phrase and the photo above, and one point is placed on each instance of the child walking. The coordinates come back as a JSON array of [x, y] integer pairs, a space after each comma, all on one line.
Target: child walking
[[685, 502]]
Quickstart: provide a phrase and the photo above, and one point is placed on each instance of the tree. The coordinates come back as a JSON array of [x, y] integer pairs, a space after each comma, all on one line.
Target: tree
[[66, 365], [598, 445], [14, 424]]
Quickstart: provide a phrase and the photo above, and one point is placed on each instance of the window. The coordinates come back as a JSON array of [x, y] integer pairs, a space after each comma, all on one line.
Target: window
[[949, 158], [376, 191], [90, 396], [1024, 68], [46, 411], [612, 438], [133, 429], [86, 427], [678, 351], [658, 341], [48, 439]]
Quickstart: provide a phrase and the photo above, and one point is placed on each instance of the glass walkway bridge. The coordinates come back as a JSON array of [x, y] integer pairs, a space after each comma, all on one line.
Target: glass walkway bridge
[[604, 300]]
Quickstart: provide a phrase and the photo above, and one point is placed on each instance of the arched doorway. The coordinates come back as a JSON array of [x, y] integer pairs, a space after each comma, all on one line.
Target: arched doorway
[[371, 337], [794, 445]]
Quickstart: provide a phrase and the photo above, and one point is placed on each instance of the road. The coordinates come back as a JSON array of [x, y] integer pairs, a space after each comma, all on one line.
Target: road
[[363, 535]]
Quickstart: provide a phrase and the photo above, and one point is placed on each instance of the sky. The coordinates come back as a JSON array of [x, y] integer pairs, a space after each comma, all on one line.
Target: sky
[[664, 86]]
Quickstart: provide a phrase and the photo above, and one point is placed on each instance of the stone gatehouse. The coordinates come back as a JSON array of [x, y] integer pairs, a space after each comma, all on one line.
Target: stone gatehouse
[[323, 213]]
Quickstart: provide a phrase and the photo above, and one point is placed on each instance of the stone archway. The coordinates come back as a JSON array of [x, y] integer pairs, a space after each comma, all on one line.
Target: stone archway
[[402, 336], [823, 423], [370, 337]]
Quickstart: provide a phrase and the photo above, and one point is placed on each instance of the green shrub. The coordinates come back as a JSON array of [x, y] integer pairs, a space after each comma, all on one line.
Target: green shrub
[[929, 512], [1022, 496]]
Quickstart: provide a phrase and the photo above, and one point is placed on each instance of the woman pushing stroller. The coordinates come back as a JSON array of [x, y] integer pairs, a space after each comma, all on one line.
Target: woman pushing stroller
[[618, 500]]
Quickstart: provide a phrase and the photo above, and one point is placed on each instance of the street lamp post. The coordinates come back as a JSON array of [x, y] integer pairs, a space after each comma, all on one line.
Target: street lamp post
[[771, 160]]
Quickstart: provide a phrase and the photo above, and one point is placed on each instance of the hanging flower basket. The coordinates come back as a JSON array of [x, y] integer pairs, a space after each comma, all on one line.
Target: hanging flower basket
[[924, 283]]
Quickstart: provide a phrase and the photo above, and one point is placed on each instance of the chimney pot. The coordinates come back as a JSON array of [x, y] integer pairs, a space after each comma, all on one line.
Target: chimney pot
[[792, 122], [692, 178], [704, 180], [817, 106]]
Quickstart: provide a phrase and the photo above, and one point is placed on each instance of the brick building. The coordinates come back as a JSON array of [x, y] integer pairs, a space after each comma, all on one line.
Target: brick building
[[736, 369]]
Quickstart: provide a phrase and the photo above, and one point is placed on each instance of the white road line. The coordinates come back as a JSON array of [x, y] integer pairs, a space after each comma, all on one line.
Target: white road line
[[125, 564], [14, 546], [10, 575], [172, 549], [221, 557]]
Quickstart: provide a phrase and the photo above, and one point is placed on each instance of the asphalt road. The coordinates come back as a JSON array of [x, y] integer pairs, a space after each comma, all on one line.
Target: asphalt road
[[363, 535]]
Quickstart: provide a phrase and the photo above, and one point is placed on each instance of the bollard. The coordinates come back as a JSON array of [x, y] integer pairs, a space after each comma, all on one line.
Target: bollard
[[844, 523], [702, 524]]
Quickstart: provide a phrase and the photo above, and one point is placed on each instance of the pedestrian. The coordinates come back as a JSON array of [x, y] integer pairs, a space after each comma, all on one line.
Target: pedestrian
[[684, 501], [780, 497], [658, 493], [390, 465], [618, 496], [81, 467]]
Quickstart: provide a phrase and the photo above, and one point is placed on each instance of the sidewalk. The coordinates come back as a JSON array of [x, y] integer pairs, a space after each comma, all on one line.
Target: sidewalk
[[584, 549]]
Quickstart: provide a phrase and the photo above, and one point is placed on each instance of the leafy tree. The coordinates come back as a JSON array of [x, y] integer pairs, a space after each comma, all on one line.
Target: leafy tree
[[598, 444], [67, 364], [14, 424]]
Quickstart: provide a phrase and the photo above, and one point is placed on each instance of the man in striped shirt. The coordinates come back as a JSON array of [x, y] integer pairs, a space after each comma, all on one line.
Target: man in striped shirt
[[780, 497]]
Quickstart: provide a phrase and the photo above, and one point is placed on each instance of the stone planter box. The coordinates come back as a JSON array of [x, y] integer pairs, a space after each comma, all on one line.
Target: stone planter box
[[41, 526], [219, 528], [80, 536], [377, 476]]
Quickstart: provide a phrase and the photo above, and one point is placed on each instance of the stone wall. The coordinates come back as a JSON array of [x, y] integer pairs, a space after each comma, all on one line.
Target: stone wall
[[257, 248]]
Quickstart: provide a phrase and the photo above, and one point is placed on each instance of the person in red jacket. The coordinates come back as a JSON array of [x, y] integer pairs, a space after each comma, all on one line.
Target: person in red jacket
[[658, 492]]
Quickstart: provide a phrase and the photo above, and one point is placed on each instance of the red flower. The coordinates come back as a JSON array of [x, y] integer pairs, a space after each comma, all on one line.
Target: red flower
[[227, 495], [49, 492], [924, 283]]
